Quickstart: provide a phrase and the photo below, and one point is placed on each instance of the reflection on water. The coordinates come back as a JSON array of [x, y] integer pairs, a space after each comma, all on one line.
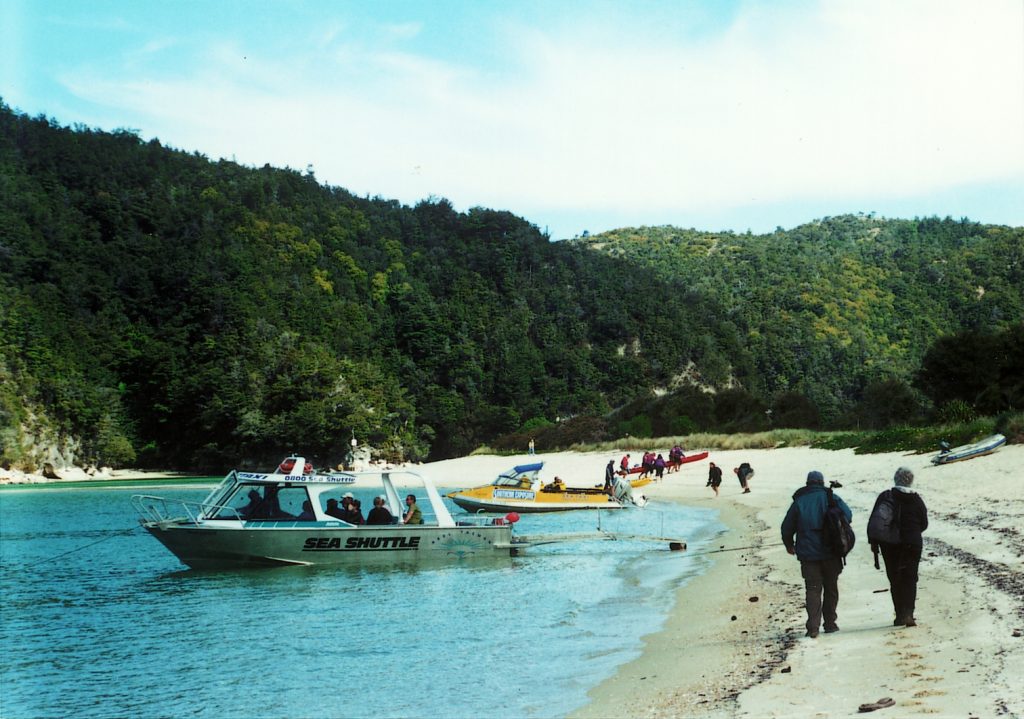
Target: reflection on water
[[98, 621]]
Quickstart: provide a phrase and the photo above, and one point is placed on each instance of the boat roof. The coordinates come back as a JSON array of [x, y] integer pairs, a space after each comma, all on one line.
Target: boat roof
[[333, 478], [522, 469]]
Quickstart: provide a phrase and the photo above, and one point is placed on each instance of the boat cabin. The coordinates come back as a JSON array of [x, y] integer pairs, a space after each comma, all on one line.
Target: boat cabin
[[522, 476], [305, 496]]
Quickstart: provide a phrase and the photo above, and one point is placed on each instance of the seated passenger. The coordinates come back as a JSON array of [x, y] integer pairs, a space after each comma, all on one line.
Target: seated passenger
[[556, 486], [355, 510], [307, 512], [379, 514], [413, 515], [334, 510], [254, 502], [270, 506]]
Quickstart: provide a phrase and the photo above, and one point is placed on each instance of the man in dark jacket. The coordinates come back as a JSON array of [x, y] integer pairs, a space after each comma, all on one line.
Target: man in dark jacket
[[379, 514], [902, 559], [819, 567]]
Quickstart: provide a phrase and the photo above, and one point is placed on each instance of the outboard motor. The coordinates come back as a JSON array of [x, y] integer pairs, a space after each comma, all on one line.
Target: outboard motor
[[622, 491]]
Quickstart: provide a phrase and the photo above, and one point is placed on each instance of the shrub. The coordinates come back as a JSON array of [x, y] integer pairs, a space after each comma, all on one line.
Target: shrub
[[1012, 426], [956, 411], [638, 426], [534, 425]]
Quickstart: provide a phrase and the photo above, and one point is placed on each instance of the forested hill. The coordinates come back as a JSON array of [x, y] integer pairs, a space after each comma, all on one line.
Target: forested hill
[[829, 307], [159, 308], [179, 311]]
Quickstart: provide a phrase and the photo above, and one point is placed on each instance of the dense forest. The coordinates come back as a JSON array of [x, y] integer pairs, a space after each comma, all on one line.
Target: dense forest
[[158, 308], [840, 318]]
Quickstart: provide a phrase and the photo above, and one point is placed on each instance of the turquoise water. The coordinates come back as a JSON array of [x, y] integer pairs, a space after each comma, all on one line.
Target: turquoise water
[[98, 620]]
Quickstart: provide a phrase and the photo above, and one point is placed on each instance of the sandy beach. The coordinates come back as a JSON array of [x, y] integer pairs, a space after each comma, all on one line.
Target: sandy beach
[[734, 645]]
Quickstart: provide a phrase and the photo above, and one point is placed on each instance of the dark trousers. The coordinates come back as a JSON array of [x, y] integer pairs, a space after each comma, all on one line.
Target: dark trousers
[[901, 563], [821, 580]]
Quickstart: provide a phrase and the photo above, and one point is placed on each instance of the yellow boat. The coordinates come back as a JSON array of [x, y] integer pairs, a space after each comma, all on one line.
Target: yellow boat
[[520, 489]]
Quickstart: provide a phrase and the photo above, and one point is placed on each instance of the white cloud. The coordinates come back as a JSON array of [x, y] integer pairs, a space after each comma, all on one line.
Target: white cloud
[[405, 30], [823, 101], [890, 98]]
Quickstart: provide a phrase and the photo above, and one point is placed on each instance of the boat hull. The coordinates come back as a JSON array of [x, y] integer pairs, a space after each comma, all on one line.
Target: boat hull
[[970, 451], [207, 546], [559, 502], [696, 457]]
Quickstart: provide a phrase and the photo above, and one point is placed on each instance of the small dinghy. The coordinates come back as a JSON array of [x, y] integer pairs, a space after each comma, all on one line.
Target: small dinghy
[[970, 451]]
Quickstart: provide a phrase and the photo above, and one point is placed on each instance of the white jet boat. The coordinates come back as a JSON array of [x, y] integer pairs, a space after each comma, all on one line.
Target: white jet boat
[[280, 518]]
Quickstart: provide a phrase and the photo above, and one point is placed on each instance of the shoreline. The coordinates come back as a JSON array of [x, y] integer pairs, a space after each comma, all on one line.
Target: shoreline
[[720, 653], [964, 659], [731, 643], [17, 478]]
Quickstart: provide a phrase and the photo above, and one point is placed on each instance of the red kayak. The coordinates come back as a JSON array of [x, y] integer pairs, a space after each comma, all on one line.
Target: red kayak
[[636, 469]]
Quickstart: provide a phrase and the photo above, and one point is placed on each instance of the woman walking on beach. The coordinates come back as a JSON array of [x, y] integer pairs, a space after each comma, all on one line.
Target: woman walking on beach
[[902, 555]]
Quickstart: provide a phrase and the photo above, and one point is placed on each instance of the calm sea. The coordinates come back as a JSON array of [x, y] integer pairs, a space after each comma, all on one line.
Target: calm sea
[[97, 619]]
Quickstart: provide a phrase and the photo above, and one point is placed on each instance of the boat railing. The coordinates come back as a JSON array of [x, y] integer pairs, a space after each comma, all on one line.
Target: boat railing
[[160, 509], [481, 520]]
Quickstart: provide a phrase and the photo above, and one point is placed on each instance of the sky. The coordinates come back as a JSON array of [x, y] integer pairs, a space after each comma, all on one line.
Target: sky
[[578, 115]]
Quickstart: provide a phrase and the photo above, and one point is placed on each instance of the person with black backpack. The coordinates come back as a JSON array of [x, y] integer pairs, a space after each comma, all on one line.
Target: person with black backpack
[[894, 528], [804, 532]]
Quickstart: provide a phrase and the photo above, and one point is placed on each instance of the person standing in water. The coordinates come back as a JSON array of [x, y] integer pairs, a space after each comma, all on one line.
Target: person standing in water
[[609, 477]]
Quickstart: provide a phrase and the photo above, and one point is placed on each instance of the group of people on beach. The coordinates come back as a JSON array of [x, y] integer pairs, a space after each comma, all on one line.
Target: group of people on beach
[[899, 510], [653, 463]]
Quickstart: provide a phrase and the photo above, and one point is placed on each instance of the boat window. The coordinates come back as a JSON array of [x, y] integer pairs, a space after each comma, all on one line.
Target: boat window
[[514, 481], [266, 501]]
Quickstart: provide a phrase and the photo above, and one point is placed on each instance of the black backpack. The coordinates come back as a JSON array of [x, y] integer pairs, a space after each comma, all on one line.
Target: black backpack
[[884, 522], [836, 530]]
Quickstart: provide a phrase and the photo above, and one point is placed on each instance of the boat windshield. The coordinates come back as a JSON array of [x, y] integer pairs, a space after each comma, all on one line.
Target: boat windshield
[[266, 501], [520, 476], [519, 481]]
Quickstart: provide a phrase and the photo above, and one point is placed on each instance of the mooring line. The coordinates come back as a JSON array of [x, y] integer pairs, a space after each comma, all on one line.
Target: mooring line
[[114, 533], [736, 549]]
